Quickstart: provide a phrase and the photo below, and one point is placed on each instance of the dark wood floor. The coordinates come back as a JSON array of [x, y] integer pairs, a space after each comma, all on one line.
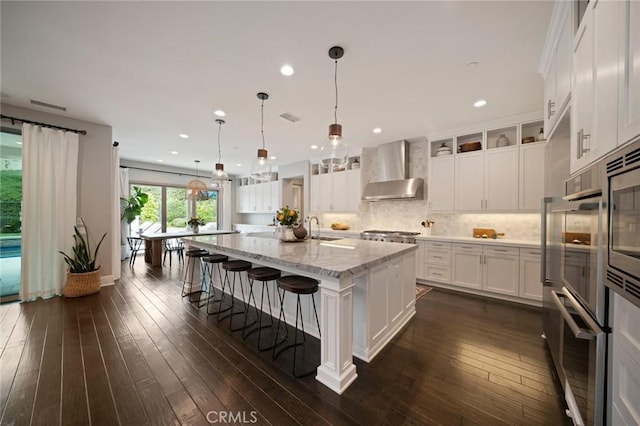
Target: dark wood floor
[[136, 353]]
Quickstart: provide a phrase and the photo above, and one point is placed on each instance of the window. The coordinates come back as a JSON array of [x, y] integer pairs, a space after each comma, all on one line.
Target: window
[[168, 210]]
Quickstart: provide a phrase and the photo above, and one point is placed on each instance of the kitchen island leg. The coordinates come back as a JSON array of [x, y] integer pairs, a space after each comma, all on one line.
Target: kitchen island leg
[[337, 370]]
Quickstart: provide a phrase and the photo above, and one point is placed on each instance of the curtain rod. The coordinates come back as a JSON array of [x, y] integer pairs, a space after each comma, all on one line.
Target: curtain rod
[[14, 119], [162, 171]]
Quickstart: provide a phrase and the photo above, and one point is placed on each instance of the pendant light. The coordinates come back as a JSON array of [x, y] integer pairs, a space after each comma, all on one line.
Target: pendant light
[[219, 175], [197, 189], [335, 139], [261, 167]]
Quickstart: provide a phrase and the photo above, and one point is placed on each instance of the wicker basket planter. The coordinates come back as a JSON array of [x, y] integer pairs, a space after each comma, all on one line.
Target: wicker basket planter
[[82, 284]]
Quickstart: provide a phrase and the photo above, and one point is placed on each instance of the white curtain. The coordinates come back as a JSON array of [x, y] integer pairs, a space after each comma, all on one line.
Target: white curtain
[[124, 193], [116, 249], [49, 194]]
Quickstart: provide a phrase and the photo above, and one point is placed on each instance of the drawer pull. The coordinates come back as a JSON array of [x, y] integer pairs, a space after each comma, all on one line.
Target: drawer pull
[[500, 250], [437, 257], [436, 274]]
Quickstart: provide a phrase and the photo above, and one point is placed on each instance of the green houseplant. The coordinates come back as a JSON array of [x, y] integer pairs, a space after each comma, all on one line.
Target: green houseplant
[[133, 204], [83, 276]]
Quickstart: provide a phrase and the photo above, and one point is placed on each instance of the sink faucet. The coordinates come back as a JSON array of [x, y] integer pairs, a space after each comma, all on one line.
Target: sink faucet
[[317, 225]]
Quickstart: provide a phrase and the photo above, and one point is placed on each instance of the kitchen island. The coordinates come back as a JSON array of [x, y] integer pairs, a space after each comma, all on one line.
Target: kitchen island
[[367, 292]]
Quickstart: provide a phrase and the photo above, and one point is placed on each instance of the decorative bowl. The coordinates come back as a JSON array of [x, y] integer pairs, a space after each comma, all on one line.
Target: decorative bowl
[[469, 146]]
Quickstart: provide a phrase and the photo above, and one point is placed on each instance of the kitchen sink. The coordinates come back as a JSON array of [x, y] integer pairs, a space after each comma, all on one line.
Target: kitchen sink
[[325, 238]]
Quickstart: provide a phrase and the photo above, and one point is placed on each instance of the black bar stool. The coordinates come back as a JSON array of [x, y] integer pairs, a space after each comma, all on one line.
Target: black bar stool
[[237, 267], [194, 257], [210, 261], [297, 285], [264, 275]]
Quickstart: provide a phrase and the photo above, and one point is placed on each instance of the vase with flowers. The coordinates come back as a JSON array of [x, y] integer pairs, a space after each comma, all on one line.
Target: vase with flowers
[[195, 223], [288, 219]]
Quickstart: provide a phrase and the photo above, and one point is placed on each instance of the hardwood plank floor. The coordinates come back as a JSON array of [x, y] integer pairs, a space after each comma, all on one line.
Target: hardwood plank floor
[[137, 353]]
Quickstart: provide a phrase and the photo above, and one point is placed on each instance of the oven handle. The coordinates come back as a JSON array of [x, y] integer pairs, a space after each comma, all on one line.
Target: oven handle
[[579, 333]]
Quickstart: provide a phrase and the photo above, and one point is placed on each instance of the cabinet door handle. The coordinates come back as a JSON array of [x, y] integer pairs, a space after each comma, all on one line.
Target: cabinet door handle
[[437, 257], [436, 274], [550, 108]]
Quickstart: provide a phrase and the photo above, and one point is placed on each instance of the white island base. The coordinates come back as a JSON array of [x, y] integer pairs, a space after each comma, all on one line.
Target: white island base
[[367, 293]]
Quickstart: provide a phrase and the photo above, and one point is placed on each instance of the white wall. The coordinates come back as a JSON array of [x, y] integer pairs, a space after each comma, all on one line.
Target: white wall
[[95, 191]]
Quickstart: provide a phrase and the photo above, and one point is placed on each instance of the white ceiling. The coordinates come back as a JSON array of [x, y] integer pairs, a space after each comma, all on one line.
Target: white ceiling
[[153, 70]]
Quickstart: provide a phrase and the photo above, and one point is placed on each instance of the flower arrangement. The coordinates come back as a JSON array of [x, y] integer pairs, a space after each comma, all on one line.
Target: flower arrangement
[[195, 221], [287, 216]]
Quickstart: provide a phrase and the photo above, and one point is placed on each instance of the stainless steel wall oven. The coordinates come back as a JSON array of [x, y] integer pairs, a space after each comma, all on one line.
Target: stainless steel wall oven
[[623, 256]]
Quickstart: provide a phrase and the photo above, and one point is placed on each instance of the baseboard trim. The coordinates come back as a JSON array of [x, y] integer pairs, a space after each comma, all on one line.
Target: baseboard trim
[[106, 280]]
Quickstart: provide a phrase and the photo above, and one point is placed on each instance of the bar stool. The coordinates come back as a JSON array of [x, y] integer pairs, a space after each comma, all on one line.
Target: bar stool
[[237, 267], [194, 257], [210, 261], [297, 285], [264, 275]]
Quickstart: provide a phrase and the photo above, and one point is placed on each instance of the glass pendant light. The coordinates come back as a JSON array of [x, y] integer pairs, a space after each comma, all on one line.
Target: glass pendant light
[[335, 141], [219, 175], [197, 189], [261, 167]]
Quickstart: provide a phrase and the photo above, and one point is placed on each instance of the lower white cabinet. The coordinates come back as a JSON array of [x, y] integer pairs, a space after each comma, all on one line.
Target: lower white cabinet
[[501, 266], [530, 285], [467, 265], [420, 259], [625, 384], [437, 263]]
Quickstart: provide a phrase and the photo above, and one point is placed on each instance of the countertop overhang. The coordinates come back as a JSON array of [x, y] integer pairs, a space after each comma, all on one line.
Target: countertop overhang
[[335, 259]]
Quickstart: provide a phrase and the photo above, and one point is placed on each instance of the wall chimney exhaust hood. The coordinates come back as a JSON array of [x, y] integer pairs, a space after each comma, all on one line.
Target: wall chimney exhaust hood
[[393, 176]]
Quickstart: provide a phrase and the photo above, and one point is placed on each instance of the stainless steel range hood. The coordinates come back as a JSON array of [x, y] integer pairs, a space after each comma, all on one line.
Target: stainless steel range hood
[[393, 176]]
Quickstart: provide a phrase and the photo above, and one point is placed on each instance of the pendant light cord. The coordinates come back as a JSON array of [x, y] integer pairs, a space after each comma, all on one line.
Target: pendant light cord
[[219, 150], [262, 122], [335, 82]]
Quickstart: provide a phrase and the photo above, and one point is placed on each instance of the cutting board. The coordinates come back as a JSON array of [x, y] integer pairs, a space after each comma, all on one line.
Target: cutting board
[[479, 232]]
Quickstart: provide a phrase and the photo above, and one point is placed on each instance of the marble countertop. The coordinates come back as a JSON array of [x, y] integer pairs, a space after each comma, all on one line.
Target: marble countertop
[[484, 241], [336, 259]]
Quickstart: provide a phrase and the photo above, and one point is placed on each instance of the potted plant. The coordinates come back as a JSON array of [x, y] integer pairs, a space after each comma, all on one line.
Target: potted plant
[[288, 219], [83, 276], [195, 223]]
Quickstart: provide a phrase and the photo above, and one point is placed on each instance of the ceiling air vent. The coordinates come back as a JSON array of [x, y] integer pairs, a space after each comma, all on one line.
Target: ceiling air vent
[[46, 105], [290, 117]]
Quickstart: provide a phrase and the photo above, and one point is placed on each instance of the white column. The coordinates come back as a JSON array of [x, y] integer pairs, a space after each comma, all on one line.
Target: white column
[[336, 370]]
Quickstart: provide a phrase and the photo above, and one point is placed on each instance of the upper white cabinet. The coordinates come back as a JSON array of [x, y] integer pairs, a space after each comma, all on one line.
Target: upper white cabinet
[[338, 191], [595, 95], [495, 170], [258, 198], [557, 85], [629, 71], [531, 185]]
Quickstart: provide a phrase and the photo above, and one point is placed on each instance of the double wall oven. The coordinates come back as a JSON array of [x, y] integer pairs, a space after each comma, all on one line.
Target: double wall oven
[[575, 300]]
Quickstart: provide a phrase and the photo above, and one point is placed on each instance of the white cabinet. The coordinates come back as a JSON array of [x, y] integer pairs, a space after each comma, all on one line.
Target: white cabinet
[[625, 383], [501, 179], [595, 103], [501, 266], [420, 259], [558, 78], [629, 72], [258, 198], [469, 181], [530, 286], [582, 103], [440, 184], [316, 196], [337, 192], [467, 265], [437, 262], [487, 181], [531, 177]]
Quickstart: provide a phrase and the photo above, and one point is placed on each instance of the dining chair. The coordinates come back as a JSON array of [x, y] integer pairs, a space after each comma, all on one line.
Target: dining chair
[[171, 245], [134, 245]]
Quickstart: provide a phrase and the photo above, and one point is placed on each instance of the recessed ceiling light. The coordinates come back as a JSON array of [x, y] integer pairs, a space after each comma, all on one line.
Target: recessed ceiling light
[[219, 113], [273, 157], [19, 142], [479, 103], [286, 70], [174, 152], [314, 146], [239, 165], [377, 130], [160, 161], [184, 136]]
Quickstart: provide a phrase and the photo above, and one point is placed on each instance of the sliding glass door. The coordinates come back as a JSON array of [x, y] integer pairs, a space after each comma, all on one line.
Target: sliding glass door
[[10, 214]]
